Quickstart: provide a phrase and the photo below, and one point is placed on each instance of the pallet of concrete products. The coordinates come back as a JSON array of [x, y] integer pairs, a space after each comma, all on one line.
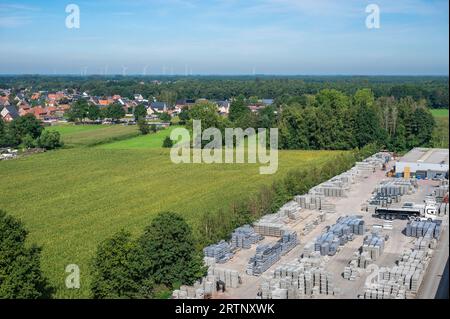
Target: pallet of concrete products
[[339, 234], [302, 279], [220, 251], [309, 201], [429, 229], [443, 209], [201, 288], [373, 244], [228, 276], [244, 237], [290, 210], [266, 255], [441, 191], [270, 225], [288, 241]]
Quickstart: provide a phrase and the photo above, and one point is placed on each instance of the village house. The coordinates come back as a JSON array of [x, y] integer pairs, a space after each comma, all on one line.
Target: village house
[[159, 107], [9, 113]]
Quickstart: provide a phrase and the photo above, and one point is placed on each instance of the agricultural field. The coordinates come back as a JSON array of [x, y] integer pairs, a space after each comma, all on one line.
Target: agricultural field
[[73, 198], [153, 140], [440, 112], [441, 135], [91, 135]]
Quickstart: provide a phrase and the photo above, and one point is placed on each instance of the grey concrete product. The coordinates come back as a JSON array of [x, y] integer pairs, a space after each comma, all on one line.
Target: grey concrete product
[[430, 229], [220, 251], [244, 237], [339, 234], [267, 254]]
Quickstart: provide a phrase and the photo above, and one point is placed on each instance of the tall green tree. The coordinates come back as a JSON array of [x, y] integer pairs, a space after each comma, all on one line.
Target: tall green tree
[[115, 111], [117, 270], [140, 112], [20, 266], [168, 247], [78, 111], [25, 125], [92, 112]]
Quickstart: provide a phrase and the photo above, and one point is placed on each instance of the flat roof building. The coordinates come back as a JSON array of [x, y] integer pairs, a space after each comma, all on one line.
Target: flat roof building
[[424, 162]]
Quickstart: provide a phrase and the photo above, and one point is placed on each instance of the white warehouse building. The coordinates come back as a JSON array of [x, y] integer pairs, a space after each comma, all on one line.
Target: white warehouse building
[[423, 163]]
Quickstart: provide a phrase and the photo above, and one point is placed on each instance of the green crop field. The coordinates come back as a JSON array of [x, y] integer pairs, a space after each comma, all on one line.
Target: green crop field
[[153, 140], [71, 199], [91, 135], [440, 134], [440, 112]]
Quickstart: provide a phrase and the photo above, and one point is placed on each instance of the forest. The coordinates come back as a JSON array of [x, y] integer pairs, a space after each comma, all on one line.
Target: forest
[[433, 89]]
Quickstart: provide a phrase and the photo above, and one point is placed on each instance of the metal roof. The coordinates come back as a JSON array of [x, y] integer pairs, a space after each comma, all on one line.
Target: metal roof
[[426, 155]]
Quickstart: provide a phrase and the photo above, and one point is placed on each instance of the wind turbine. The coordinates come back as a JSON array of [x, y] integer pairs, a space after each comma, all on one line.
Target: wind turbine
[[124, 70]]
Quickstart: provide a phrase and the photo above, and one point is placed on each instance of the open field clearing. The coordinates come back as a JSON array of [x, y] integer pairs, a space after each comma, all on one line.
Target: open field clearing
[[440, 112], [91, 135], [152, 140], [71, 199], [441, 135]]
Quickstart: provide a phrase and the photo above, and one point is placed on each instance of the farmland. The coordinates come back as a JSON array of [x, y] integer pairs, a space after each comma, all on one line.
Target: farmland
[[91, 135], [73, 198], [440, 135]]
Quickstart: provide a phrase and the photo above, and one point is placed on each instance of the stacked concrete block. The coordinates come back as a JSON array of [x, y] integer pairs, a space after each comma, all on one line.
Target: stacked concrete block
[[244, 237], [374, 245], [403, 280], [303, 279], [428, 229], [339, 234], [290, 210], [268, 254], [221, 252]]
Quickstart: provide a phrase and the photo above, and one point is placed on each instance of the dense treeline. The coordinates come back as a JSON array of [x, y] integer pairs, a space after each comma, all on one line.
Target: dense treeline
[[433, 89], [331, 120]]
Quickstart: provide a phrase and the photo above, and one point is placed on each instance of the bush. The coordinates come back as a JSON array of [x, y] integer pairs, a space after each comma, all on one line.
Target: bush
[[28, 141], [49, 140], [143, 126], [168, 143]]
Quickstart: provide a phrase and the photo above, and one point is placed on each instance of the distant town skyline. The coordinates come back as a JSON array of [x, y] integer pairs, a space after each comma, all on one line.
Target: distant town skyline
[[225, 37]]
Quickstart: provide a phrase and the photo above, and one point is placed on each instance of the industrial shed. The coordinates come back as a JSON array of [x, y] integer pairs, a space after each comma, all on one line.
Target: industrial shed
[[423, 163]]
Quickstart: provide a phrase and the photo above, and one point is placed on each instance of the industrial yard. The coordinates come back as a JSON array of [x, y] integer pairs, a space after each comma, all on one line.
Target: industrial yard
[[340, 249]]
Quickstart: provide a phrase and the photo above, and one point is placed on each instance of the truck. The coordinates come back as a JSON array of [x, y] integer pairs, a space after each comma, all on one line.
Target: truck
[[427, 211]]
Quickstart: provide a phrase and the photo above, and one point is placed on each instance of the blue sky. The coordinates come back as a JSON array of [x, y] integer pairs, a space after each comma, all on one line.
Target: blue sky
[[313, 37]]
